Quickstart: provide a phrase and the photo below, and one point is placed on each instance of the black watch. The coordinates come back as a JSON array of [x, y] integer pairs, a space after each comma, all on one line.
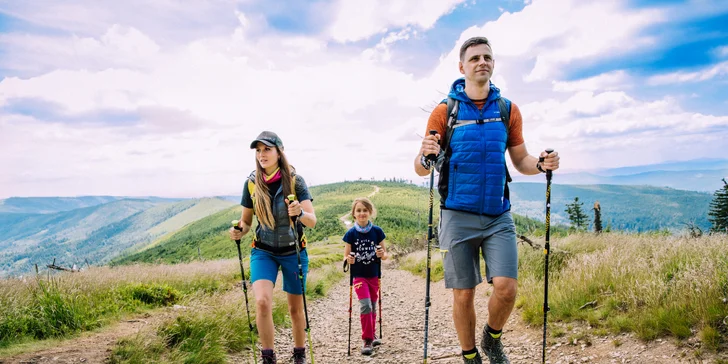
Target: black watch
[[424, 162]]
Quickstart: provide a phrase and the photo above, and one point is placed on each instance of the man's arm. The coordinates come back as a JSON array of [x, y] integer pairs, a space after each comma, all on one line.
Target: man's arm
[[527, 164], [430, 144]]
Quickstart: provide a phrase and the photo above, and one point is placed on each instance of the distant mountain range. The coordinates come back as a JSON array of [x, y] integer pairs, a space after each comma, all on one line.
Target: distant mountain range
[[101, 229], [693, 175]]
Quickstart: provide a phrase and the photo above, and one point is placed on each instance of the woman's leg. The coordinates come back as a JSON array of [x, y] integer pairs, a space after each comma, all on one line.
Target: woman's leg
[[263, 290], [292, 286], [298, 319]]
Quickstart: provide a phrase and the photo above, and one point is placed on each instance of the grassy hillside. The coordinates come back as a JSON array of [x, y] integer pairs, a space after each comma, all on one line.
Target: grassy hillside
[[98, 233], [66, 225], [402, 213], [630, 208]]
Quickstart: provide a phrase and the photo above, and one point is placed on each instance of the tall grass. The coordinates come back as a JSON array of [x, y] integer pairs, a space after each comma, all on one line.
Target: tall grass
[[651, 285], [45, 307], [648, 284], [209, 335]]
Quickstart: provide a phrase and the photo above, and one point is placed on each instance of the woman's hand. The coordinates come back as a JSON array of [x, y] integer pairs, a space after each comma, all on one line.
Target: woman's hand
[[235, 234], [294, 208]]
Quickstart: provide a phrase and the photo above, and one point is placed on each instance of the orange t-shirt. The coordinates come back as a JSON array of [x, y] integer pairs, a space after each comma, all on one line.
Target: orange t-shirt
[[438, 121]]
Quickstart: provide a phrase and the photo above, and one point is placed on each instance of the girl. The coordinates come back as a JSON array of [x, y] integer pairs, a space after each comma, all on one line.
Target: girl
[[366, 241], [274, 241]]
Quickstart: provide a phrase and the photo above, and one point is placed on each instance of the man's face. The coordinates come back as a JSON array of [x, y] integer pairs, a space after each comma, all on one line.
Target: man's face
[[478, 64]]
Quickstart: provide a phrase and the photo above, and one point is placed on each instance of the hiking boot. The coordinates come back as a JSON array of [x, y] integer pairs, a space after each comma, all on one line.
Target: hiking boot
[[268, 356], [367, 349], [476, 360], [377, 341], [493, 348], [299, 355]]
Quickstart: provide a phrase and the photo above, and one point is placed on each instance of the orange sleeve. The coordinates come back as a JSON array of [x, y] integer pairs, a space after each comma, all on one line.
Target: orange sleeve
[[515, 126], [438, 120]]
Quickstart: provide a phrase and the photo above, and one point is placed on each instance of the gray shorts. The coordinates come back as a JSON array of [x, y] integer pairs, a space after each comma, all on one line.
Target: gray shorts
[[463, 236]]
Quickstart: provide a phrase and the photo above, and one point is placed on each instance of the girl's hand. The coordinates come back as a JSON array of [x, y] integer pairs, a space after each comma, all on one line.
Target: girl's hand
[[380, 252], [350, 259]]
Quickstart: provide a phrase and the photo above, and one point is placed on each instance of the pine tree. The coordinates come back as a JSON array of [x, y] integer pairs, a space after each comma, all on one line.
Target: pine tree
[[597, 218], [718, 214], [576, 214]]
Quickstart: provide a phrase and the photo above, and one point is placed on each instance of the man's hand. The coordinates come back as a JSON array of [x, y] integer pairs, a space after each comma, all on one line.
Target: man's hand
[[550, 160], [430, 145]]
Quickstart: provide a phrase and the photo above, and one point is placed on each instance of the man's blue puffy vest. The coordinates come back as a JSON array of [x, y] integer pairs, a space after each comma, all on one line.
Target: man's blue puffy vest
[[476, 167]]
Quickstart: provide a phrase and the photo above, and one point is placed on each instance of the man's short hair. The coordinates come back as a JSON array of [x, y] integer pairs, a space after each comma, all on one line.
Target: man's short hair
[[473, 42]]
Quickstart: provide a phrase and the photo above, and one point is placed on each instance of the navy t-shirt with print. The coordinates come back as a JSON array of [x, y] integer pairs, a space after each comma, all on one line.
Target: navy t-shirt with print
[[363, 245]]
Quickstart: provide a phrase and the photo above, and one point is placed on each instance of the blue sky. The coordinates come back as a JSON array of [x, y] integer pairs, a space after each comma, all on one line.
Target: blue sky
[[162, 97]]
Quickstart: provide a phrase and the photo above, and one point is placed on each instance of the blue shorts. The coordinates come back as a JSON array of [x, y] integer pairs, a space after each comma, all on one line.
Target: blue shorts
[[264, 265]]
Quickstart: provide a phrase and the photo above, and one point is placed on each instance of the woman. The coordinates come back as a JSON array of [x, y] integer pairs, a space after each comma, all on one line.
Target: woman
[[274, 241]]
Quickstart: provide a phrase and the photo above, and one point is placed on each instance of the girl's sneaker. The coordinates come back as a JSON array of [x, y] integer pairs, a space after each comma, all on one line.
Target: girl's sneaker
[[367, 349], [377, 341]]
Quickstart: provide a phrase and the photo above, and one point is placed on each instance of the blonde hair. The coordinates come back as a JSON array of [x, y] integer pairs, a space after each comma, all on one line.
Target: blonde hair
[[367, 204], [263, 209]]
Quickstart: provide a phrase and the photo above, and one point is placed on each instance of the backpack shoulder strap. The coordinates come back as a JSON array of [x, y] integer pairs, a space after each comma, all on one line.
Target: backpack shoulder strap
[[251, 191], [504, 106], [453, 106]]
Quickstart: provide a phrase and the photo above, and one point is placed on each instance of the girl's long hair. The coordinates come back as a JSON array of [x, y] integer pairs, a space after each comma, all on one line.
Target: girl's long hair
[[263, 209]]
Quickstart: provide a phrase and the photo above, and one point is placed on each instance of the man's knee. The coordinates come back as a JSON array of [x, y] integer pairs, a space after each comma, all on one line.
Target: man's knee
[[463, 296], [505, 288], [365, 306]]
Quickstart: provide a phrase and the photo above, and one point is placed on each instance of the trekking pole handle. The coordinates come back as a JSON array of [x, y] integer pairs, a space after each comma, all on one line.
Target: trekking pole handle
[[541, 159], [548, 151], [236, 226], [292, 198], [432, 157]]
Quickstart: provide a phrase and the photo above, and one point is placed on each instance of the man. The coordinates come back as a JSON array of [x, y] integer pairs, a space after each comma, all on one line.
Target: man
[[475, 210]]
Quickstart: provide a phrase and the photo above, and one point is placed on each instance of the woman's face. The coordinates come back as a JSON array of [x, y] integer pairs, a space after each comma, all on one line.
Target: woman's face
[[361, 214], [267, 157]]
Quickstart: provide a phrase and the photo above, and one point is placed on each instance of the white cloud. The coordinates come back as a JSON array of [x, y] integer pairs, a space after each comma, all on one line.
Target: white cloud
[[612, 129], [357, 20], [708, 73], [381, 52], [615, 80], [172, 21], [198, 106], [721, 51], [341, 114], [556, 33]]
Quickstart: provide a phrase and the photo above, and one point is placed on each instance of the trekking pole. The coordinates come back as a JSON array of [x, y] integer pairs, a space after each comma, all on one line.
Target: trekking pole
[[245, 291], [351, 287], [546, 251], [380, 295], [300, 277], [431, 158]]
